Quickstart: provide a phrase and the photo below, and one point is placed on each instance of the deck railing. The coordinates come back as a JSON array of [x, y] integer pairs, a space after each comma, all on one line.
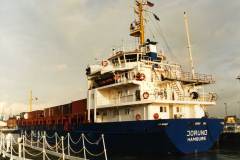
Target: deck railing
[[210, 97], [188, 77], [185, 77]]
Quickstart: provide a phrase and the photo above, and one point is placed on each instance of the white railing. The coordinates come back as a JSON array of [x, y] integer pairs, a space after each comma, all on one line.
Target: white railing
[[38, 145], [123, 99], [210, 97]]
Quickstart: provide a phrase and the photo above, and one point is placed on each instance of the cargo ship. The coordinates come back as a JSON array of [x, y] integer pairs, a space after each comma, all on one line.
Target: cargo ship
[[230, 138], [140, 102], [231, 134]]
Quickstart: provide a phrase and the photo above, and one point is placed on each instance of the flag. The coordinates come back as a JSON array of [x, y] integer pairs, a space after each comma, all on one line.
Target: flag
[[156, 17], [150, 4]]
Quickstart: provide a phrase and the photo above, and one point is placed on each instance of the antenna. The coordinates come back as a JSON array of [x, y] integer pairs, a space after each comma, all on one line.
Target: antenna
[[30, 101], [189, 42], [226, 113]]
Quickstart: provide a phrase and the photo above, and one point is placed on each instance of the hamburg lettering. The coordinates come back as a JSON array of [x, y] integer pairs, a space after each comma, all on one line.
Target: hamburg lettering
[[196, 135]]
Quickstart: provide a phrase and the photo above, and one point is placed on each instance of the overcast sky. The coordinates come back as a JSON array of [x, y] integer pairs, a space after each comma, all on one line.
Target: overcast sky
[[45, 45]]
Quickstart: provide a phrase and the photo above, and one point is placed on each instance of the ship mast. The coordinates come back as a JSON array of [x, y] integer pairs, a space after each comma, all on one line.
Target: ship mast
[[137, 27], [189, 42], [142, 34], [30, 101]]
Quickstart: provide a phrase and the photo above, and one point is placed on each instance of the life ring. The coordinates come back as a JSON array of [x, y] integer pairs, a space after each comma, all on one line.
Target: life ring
[[138, 76], [156, 116], [142, 76], [145, 95], [138, 117], [104, 63]]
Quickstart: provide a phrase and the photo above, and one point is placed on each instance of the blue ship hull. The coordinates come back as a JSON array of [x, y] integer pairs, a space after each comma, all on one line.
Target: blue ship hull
[[165, 136]]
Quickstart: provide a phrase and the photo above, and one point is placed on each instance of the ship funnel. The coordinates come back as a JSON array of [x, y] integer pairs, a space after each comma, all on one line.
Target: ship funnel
[[151, 49]]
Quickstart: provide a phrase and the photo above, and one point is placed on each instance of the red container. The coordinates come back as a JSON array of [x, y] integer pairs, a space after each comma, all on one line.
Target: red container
[[79, 107], [12, 122], [47, 112], [51, 111], [35, 114], [56, 111], [67, 109]]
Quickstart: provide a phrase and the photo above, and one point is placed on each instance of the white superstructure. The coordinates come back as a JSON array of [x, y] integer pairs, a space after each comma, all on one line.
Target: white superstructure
[[140, 85]]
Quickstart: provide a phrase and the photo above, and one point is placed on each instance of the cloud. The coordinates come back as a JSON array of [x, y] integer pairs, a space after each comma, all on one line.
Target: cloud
[[46, 45], [61, 67]]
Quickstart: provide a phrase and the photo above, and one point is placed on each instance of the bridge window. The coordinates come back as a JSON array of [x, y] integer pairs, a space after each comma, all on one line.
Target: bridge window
[[127, 111], [131, 58], [163, 109], [122, 59]]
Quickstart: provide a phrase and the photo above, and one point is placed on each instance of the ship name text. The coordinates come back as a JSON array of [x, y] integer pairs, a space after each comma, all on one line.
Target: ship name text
[[196, 135]]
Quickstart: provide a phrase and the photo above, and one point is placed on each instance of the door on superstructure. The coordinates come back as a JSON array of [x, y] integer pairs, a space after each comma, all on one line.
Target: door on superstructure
[[171, 111]]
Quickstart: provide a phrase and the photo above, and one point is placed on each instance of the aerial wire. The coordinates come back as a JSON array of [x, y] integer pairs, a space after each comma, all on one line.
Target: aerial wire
[[161, 35]]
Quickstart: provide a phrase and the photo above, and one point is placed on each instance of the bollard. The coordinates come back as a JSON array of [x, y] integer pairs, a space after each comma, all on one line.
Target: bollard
[[63, 154], [11, 140], [38, 136], [8, 137], [104, 147], [68, 143], [4, 152], [19, 147], [44, 134], [84, 148], [23, 147], [56, 142], [43, 147], [31, 138]]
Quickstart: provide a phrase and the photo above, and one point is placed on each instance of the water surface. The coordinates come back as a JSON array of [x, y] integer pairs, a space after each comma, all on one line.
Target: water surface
[[220, 154]]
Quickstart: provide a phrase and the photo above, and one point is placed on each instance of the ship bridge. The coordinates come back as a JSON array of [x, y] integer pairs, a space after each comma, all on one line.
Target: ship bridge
[[139, 82]]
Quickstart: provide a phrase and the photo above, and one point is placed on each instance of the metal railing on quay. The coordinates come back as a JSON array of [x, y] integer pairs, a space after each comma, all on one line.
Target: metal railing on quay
[[37, 145]]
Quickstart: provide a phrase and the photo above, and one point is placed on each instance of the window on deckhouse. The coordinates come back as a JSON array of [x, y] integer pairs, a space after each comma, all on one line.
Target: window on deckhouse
[[131, 58], [115, 62]]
